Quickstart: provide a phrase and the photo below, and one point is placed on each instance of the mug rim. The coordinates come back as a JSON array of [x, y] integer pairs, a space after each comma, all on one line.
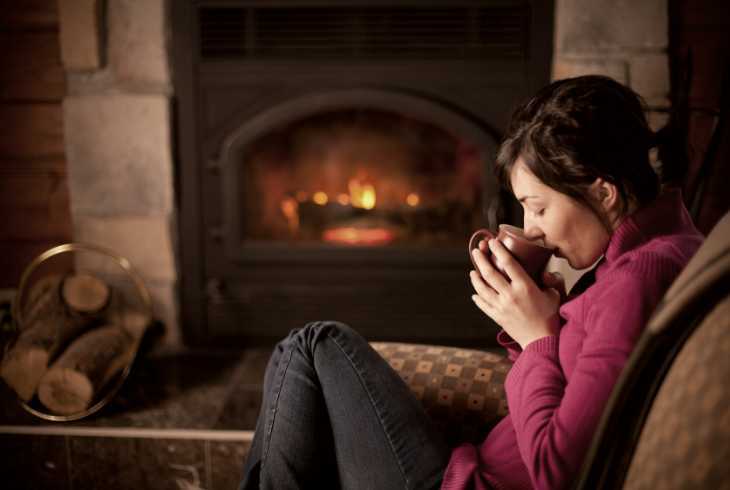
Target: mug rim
[[515, 232]]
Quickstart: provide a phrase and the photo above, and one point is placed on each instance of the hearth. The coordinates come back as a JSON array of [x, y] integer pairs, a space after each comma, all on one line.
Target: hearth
[[335, 158]]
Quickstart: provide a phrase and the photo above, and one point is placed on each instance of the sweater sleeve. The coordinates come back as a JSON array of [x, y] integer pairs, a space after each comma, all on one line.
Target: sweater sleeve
[[512, 347], [555, 419]]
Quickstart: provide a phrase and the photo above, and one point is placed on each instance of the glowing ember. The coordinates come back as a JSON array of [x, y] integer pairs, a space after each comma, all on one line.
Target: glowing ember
[[320, 198], [413, 199], [359, 236], [290, 209], [343, 199]]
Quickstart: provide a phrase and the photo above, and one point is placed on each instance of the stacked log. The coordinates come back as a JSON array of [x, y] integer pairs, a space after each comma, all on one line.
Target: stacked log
[[84, 368], [71, 342], [59, 309]]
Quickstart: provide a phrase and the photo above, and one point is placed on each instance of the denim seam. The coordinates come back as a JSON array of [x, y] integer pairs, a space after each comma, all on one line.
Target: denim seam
[[375, 407], [270, 428]]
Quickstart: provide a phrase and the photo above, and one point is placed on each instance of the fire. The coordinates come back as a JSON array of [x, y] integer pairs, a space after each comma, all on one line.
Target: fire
[[320, 198], [361, 195], [358, 236], [290, 209], [413, 199]]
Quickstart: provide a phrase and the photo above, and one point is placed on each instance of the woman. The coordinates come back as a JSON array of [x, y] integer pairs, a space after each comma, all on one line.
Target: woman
[[576, 156]]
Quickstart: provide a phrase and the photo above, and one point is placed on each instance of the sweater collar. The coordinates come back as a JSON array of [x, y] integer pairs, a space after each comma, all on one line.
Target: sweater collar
[[665, 215]]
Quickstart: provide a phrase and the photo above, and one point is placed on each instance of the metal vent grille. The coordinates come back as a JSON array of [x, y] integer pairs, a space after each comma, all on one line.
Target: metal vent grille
[[364, 32]]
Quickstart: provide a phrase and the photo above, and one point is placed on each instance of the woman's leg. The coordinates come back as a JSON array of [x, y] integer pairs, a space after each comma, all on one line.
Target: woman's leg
[[335, 414]]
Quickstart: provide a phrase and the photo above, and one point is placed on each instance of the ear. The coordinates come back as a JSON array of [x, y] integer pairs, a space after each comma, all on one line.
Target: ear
[[606, 195]]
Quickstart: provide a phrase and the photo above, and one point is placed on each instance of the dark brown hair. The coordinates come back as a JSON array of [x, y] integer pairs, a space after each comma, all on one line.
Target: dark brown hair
[[579, 129]]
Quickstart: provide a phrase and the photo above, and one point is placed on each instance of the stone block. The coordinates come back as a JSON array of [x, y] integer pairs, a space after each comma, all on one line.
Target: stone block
[[119, 154], [147, 242], [614, 68], [80, 34], [138, 41], [587, 26], [649, 75]]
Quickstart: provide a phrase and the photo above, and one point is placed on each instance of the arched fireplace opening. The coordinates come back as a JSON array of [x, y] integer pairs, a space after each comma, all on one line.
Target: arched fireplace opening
[[365, 174]]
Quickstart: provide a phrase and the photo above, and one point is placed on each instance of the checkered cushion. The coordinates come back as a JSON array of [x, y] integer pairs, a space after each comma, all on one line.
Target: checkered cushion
[[461, 389]]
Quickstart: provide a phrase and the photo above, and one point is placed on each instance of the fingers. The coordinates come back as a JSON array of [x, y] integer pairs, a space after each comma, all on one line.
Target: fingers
[[554, 280], [488, 294], [489, 273], [511, 267], [555, 295], [482, 305]]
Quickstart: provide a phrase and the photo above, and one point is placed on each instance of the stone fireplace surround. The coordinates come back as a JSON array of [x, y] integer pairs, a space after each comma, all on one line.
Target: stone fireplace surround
[[118, 115]]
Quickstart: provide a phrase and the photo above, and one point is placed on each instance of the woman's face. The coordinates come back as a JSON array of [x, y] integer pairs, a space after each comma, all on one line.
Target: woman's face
[[568, 226]]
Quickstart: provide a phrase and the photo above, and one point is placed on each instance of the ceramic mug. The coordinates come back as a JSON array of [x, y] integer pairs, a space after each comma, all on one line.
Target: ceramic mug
[[533, 255]]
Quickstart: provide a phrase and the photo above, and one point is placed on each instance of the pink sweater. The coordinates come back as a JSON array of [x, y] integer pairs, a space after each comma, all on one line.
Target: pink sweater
[[559, 385]]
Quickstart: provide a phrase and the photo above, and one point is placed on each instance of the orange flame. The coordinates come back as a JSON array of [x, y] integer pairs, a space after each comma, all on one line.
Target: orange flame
[[290, 209], [361, 195]]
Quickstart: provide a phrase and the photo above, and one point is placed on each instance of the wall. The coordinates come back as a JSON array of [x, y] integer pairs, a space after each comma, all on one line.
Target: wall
[[623, 39], [34, 197]]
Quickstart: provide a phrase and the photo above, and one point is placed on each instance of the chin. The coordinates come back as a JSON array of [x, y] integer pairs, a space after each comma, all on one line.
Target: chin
[[582, 264]]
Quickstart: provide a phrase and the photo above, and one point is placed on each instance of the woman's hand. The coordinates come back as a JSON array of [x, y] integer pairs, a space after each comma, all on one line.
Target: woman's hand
[[518, 305]]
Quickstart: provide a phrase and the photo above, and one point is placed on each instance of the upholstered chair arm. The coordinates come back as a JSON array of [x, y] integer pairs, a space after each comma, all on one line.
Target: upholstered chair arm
[[462, 390]]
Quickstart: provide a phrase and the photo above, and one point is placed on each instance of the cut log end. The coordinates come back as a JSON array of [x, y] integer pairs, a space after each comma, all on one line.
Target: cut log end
[[66, 391], [135, 323], [22, 370], [85, 293], [84, 368]]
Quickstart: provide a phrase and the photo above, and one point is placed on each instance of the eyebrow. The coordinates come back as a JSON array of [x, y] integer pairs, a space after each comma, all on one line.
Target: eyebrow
[[525, 198]]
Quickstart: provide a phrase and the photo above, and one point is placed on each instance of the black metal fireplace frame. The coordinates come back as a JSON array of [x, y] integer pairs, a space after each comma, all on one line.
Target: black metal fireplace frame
[[444, 91]]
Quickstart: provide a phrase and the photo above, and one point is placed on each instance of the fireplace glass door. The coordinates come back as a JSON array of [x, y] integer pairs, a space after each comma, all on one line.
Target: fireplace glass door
[[360, 178]]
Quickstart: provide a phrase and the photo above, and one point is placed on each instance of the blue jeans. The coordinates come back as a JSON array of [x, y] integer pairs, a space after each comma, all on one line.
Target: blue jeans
[[336, 415]]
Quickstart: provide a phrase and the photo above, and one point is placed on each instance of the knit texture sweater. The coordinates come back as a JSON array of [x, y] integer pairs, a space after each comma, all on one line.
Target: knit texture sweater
[[559, 385]]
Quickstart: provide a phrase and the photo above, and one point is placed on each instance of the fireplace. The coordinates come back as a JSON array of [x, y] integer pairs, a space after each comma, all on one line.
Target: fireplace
[[335, 157]]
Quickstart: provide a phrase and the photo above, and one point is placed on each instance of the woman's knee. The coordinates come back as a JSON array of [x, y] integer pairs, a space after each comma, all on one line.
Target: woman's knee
[[312, 333]]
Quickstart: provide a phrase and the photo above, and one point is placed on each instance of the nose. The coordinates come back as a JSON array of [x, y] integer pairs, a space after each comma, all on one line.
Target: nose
[[532, 231]]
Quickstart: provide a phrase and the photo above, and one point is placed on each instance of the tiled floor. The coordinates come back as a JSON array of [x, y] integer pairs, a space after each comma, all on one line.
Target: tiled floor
[[181, 420]]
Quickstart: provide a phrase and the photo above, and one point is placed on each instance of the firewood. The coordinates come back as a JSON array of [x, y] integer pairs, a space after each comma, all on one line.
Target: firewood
[[62, 309], [85, 294], [43, 299], [72, 382]]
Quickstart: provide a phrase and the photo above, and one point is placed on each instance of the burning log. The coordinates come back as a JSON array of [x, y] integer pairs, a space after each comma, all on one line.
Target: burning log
[[92, 360], [60, 308]]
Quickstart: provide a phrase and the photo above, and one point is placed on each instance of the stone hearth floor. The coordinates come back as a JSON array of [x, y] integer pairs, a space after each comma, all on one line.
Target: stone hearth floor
[[181, 420]]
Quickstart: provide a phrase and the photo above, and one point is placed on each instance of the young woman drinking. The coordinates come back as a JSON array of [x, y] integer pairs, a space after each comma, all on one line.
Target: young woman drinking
[[576, 156]]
